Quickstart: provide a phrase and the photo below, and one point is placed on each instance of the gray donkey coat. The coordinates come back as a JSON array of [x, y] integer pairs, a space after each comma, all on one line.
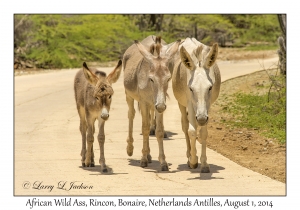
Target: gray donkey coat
[[146, 77], [93, 96]]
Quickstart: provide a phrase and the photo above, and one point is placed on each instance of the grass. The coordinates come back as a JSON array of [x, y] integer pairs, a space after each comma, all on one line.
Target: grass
[[264, 112]]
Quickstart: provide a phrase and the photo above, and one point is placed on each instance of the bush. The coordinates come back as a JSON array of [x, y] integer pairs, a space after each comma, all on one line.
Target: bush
[[59, 41], [65, 41]]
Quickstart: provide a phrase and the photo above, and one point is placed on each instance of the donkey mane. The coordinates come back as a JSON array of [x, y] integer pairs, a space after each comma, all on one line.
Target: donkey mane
[[100, 73]]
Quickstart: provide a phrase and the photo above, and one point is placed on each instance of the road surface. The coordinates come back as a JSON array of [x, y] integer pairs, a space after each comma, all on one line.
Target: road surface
[[47, 145]]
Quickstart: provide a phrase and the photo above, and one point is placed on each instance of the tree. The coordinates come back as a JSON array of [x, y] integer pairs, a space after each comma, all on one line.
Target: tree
[[282, 44]]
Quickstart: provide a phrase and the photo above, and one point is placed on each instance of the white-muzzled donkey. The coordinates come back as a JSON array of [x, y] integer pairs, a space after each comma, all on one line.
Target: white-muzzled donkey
[[196, 84], [93, 95]]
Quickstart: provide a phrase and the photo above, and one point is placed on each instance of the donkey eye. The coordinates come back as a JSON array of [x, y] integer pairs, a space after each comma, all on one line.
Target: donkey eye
[[191, 89], [151, 79], [97, 98], [210, 88], [109, 96]]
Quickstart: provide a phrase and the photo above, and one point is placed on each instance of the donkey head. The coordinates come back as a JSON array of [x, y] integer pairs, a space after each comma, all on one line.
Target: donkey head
[[102, 84], [158, 74], [201, 82]]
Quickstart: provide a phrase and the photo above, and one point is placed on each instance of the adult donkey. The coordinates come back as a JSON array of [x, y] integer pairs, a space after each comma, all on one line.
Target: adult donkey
[[93, 92], [146, 77], [196, 84]]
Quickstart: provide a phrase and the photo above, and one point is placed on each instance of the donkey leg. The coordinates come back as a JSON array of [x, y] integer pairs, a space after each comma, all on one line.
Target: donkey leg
[[160, 135], [90, 140], [92, 152], [82, 129], [204, 167], [131, 114], [101, 140], [192, 133], [152, 121], [193, 159], [152, 130], [185, 126], [145, 130], [92, 156]]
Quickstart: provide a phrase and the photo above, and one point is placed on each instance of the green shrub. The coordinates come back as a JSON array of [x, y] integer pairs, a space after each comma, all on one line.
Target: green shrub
[[68, 40], [65, 41]]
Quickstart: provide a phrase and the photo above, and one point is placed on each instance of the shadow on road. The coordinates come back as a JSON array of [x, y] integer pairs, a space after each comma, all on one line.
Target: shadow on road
[[214, 169], [97, 170], [154, 166], [170, 134]]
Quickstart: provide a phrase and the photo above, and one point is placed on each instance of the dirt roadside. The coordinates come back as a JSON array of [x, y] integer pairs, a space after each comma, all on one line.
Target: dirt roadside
[[246, 147]]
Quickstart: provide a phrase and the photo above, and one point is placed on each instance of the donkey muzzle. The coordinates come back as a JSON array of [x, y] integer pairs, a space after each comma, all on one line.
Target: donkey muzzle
[[201, 120], [104, 114], [160, 107]]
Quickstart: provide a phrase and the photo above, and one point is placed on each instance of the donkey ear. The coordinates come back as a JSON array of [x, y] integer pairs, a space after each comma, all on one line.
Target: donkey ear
[[186, 59], [211, 57], [90, 77], [173, 49], [143, 51], [115, 74], [198, 52]]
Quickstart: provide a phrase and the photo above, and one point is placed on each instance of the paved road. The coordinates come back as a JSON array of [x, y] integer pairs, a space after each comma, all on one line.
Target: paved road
[[47, 147]]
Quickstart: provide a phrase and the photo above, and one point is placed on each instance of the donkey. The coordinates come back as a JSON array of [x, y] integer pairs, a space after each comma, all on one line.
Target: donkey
[[93, 92], [146, 78], [196, 84]]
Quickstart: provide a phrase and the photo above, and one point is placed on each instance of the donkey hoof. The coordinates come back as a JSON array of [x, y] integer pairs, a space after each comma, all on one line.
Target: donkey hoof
[[204, 169], [104, 170], [149, 158], [92, 165], [130, 150], [165, 167], [83, 164], [144, 164], [192, 166]]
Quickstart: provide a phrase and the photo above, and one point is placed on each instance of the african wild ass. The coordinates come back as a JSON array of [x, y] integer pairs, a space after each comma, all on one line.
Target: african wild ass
[[93, 92], [196, 84], [146, 77]]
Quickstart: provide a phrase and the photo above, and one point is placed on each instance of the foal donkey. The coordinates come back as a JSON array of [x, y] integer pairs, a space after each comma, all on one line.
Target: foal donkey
[[93, 92]]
